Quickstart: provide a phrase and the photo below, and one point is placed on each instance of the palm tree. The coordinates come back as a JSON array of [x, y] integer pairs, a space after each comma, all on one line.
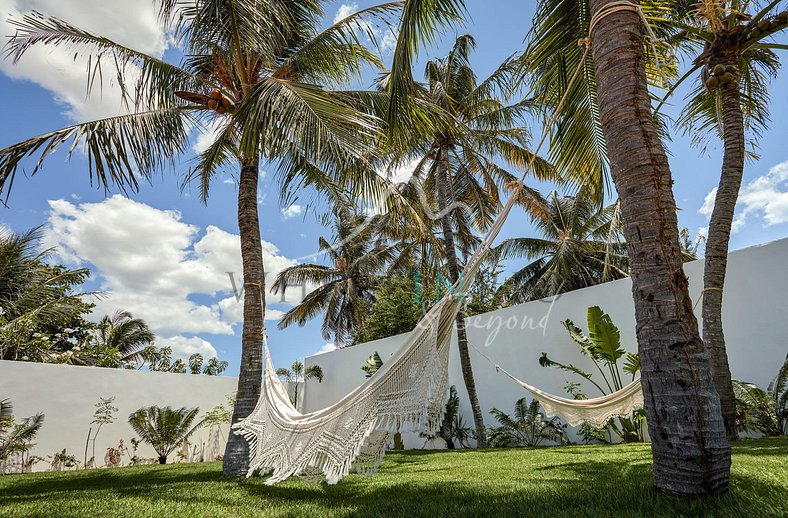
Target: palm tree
[[297, 374], [345, 289], [690, 453], [15, 437], [735, 58], [252, 70], [458, 164], [581, 245], [528, 427], [39, 311], [124, 334], [164, 428]]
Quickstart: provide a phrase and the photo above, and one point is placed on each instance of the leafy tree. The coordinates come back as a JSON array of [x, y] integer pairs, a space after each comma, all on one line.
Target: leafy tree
[[214, 367], [164, 428], [297, 374], [195, 363], [104, 414], [120, 339], [41, 315], [256, 72], [453, 427], [580, 245], [485, 294], [399, 304], [735, 56], [344, 290], [15, 437], [603, 346], [528, 427]]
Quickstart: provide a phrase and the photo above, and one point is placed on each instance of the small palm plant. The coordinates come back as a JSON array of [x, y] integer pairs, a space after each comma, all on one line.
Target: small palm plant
[[15, 437], [164, 428], [603, 346], [297, 373], [765, 411], [528, 427]]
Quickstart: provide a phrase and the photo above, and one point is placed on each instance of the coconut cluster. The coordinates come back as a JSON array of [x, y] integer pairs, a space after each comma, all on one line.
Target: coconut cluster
[[767, 25], [720, 74], [219, 102]]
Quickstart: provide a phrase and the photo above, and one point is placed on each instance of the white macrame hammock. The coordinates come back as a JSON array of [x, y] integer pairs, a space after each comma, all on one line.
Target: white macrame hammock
[[408, 392]]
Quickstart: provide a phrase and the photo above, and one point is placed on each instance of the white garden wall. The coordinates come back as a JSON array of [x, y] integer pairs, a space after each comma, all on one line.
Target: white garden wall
[[756, 328], [67, 394]]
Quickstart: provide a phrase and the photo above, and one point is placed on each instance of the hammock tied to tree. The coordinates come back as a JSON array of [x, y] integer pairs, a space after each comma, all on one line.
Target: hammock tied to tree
[[407, 394]]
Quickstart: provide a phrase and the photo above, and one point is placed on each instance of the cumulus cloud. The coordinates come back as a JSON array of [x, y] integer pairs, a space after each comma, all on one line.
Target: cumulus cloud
[[183, 347], [133, 24], [153, 264], [292, 211], [766, 196]]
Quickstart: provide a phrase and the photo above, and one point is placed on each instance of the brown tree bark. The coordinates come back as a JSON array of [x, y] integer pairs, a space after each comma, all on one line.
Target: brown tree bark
[[717, 241], [690, 453], [444, 175], [236, 454]]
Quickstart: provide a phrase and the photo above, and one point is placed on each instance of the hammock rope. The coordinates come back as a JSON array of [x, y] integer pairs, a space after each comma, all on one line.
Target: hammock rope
[[406, 394]]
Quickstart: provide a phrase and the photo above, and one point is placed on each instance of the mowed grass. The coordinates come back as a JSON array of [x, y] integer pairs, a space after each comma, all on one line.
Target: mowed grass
[[570, 481]]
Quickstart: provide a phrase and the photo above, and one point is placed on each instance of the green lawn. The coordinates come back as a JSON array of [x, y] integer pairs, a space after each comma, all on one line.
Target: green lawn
[[569, 481]]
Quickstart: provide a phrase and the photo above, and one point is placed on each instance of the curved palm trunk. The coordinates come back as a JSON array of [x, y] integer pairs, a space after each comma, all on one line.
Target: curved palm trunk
[[716, 259], [690, 453], [454, 273], [236, 454], [162, 459]]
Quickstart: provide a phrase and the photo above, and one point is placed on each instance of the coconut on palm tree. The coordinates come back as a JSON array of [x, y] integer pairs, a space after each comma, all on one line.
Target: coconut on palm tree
[[164, 428], [255, 72], [345, 288], [581, 245], [734, 58]]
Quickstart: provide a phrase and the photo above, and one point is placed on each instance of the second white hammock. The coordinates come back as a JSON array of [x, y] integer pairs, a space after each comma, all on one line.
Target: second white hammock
[[595, 411]]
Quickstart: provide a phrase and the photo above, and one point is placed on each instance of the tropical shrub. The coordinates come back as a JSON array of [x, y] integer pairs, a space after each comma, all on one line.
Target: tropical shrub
[[764, 411], [104, 414], [528, 427], [164, 428], [453, 427], [15, 438], [603, 346]]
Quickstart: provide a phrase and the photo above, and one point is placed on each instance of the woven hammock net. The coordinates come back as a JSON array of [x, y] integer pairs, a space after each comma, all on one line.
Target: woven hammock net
[[407, 394]]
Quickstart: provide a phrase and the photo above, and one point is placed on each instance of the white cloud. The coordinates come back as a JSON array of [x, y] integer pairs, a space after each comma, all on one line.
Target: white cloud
[[385, 36], [183, 347], [207, 133], [133, 24], [153, 264], [326, 349], [765, 196], [292, 211]]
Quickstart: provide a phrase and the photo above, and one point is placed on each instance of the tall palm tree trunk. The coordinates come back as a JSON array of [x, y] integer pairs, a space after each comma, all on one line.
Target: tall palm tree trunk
[[690, 453], [716, 259], [454, 273], [236, 455]]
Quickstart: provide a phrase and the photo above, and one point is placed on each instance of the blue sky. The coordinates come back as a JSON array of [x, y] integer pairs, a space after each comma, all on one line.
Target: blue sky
[[164, 255]]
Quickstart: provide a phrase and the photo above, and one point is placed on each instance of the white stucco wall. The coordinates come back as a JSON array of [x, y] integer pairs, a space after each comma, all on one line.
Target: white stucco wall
[[67, 394], [756, 328]]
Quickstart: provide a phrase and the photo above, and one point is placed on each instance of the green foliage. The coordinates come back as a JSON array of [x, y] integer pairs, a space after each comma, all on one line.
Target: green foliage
[[453, 428], [16, 437], [486, 294], [164, 428], [397, 308], [528, 427], [581, 244], [298, 374], [42, 314], [765, 411], [373, 363], [603, 347]]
